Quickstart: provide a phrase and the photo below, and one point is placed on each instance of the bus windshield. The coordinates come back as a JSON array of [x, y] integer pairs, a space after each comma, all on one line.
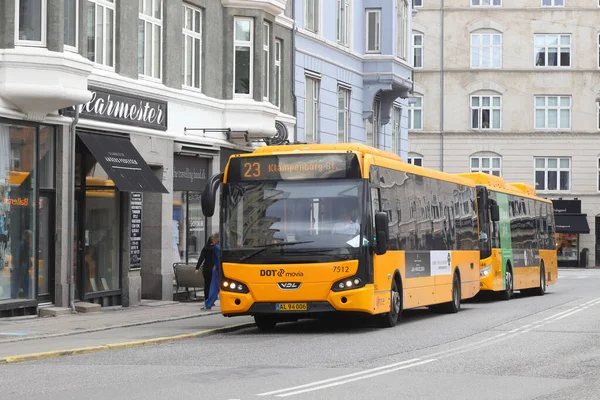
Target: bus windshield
[[282, 218]]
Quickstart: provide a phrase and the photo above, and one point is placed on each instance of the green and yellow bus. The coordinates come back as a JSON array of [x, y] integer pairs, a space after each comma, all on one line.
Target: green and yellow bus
[[517, 237], [308, 230]]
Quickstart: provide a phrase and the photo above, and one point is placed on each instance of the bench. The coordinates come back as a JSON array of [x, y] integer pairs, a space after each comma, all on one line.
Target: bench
[[185, 277]]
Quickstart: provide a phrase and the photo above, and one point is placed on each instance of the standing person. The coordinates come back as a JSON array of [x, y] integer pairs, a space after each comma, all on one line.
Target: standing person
[[215, 283], [207, 263]]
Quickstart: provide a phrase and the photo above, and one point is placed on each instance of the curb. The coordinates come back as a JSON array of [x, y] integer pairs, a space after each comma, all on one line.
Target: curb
[[119, 346]]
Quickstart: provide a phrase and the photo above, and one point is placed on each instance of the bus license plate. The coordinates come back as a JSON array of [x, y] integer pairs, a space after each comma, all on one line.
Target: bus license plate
[[291, 306]]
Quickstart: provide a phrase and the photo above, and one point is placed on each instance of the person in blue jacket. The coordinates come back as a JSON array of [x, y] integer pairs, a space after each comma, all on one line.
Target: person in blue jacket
[[215, 282]]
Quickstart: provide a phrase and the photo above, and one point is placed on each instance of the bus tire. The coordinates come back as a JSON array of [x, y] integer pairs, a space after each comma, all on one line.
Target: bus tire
[[453, 306], [265, 322], [390, 319], [509, 280], [540, 291]]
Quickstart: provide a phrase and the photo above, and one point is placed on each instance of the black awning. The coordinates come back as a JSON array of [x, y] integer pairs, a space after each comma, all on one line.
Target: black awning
[[571, 223], [122, 163]]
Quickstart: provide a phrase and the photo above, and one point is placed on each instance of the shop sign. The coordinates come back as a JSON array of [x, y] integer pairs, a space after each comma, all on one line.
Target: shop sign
[[189, 173], [135, 249], [567, 206]]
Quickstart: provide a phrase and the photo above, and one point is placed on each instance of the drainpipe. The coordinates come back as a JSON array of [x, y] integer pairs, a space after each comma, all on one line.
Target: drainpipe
[[293, 71], [71, 257], [442, 89]]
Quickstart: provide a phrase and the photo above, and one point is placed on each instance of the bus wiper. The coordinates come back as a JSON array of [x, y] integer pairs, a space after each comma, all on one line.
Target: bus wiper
[[282, 244], [320, 253]]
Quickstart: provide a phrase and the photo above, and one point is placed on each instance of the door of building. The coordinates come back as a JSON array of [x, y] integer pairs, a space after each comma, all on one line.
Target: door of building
[[45, 271]]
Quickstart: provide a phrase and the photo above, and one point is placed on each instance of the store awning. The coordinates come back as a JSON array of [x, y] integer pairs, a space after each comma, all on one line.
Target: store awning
[[122, 163], [573, 223]]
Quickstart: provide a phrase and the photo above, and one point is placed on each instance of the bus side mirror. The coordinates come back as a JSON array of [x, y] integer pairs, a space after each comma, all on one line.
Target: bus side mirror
[[382, 232], [495, 212], [207, 200]]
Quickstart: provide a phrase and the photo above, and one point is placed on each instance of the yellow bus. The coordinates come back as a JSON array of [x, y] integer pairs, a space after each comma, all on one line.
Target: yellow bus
[[311, 229], [517, 237]]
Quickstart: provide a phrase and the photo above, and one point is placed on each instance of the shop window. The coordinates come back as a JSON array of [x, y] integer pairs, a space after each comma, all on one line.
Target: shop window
[[568, 247], [189, 231]]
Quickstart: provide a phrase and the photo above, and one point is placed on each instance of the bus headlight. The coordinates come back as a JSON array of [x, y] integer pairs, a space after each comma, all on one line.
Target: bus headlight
[[353, 282], [229, 285], [483, 272]]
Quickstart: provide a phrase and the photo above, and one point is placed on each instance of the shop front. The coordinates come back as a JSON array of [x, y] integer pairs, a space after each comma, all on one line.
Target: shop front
[[570, 223]]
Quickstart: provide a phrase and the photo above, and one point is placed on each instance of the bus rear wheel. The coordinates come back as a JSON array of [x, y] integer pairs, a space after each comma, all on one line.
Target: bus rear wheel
[[539, 291], [453, 306], [509, 282], [265, 322], [390, 319]]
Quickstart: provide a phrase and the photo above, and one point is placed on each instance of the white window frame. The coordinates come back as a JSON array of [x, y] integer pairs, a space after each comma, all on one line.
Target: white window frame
[[374, 142], [553, 3], [377, 12], [76, 47], [404, 35], [278, 56], [598, 47], [396, 127], [316, 6], [44, 22], [103, 5], [598, 114], [249, 44], [411, 114], [315, 105], [266, 53], [558, 170], [491, 48], [487, 170], [411, 160], [480, 108], [558, 47], [421, 49], [558, 109], [343, 24], [598, 173], [344, 113], [153, 21], [480, 3], [194, 36]]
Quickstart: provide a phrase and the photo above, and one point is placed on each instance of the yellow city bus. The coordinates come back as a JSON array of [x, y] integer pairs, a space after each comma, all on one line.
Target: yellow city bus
[[517, 237], [312, 229]]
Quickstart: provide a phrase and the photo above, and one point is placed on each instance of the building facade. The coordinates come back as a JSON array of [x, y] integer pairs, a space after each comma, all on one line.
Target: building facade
[[511, 88], [110, 128], [353, 73]]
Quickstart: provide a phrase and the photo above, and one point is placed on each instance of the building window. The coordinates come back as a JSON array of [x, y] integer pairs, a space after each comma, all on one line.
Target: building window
[[599, 176], [486, 50], [373, 30], [396, 124], [488, 165], [417, 39], [192, 47], [278, 49], [343, 20], [372, 130], [403, 32], [266, 61], [150, 39], [486, 112], [101, 32], [312, 17], [311, 110], [598, 53], [188, 227], [486, 3], [30, 21], [552, 174], [553, 112], [416, 161], [418, 3], [71, 24], [598, 114], [553, 50], [553, 3], [242, 56], [415, 114], [343, 114]]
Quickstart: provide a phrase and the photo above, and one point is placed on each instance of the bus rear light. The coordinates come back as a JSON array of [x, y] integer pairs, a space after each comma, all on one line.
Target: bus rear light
[[230, 285], [483, 272], [347, 284]]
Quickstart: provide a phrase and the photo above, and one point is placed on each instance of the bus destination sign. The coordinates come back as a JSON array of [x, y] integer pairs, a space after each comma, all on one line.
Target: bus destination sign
[[294, 167]]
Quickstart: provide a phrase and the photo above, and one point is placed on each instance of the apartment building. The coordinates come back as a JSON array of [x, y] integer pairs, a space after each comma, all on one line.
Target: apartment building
[[113, 115], [511, 88], [353, 73]]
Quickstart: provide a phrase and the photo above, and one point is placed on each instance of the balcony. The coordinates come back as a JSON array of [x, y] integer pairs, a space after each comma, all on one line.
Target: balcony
[[274, 7]]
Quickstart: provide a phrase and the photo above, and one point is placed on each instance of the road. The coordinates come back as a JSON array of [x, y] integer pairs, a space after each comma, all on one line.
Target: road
[[527, 348]]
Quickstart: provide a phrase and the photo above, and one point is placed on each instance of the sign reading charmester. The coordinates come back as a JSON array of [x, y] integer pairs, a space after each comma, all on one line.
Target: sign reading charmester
[[123, 108]]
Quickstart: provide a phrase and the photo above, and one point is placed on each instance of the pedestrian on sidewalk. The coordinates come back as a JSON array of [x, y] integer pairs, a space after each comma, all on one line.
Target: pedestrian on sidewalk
[[207, 263], [215, 282]]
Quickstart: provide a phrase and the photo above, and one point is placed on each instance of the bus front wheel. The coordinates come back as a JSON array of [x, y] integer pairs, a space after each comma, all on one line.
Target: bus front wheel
[[509, 282], [265, 322], [390, 319]]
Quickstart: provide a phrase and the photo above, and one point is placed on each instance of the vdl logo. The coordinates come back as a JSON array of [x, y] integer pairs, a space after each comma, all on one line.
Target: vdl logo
[[288, 285]]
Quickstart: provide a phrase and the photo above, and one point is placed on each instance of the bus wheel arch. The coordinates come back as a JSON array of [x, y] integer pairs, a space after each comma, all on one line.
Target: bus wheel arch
[[509, 281], [390, 319], [453, 306]]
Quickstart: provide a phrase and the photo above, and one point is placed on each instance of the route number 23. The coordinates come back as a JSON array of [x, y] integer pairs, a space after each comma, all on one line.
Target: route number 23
[[251, 169]]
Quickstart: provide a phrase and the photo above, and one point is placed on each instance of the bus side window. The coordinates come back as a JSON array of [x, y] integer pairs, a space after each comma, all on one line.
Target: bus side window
[[375, 205]]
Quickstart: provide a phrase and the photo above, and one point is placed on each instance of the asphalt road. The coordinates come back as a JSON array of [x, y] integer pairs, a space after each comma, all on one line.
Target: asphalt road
[[527, 348]]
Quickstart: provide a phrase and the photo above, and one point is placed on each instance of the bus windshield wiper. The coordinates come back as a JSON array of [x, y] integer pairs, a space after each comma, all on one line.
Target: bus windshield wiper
[[319, 253], [282, 244]]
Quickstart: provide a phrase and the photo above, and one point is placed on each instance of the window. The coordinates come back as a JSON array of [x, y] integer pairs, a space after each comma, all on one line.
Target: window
[[552, 174], [372, 127], [192, 47], [188, 226], [598, 54], [30, 21], [486, 3], [417, 50], [312, 17], [416, 161], [396, 120], [598, 114], [266, 61], [278, 49], [488, 165], [311, 110], [343, 114], [553, 112], [553, 3], [373, 31], [415, 114], [552, 50], [150, 38], [599, 174], [403, 32], [486, 50], [101, 32], [343, 20], [242, 56], [486, 112], [418, 3], [71, 23]]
